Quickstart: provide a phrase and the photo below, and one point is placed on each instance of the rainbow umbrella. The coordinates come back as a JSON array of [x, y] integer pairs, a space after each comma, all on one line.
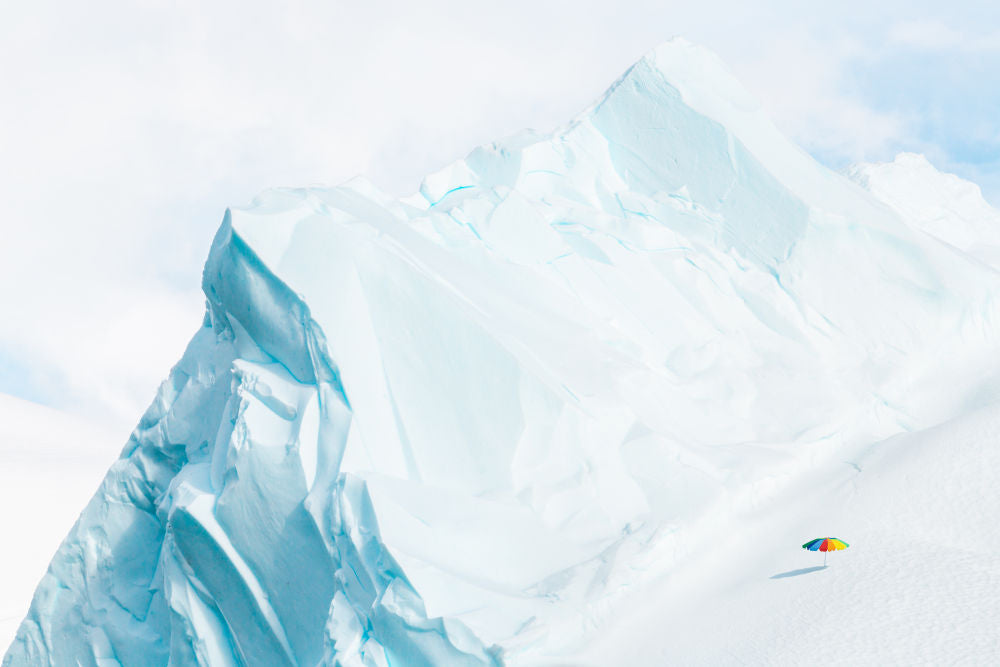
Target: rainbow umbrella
[[826, 545]]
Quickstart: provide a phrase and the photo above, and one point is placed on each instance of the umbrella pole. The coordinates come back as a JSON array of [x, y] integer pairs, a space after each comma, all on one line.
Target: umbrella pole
[[824, 558]]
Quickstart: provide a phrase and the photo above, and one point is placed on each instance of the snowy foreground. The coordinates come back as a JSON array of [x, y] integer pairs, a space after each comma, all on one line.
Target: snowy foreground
[[578, 401]]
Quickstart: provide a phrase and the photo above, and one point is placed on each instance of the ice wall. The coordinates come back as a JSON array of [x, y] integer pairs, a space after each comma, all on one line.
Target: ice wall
[[448, 429]]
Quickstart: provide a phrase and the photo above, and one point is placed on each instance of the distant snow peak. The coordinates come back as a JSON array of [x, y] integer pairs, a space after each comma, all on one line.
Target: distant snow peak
[[941, 204]]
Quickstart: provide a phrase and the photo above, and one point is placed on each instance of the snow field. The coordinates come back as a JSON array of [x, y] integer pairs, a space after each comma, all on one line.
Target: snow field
[[917, 585]]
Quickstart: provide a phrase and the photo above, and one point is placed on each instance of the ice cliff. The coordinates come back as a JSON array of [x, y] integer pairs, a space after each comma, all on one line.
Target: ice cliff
[[449, 429]]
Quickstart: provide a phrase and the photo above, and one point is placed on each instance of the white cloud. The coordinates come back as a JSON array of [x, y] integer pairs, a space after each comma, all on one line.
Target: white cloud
[[936, 35], [801, 82], [133, 125]]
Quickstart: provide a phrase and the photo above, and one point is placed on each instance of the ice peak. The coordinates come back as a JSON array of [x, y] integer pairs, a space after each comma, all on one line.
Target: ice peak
[[451, 429], [704, 79], [913, 160], [939, 203]]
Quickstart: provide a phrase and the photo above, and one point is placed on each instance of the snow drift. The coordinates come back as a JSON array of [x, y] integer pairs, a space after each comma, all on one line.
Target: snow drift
[[456, 428]]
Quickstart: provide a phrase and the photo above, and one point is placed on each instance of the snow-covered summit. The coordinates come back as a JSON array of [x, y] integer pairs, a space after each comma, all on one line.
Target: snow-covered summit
[[456, 428], [944, 205]]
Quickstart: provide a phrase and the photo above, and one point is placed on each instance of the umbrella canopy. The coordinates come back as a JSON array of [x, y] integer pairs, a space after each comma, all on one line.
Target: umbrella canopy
[[825, 544]]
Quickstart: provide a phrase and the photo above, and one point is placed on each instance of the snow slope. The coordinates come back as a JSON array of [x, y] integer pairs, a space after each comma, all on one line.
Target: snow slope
[[917, 586], [497, 419], [918, 583]]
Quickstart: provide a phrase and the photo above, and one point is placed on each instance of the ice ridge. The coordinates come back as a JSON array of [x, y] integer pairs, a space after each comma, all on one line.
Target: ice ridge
[[451, 428]]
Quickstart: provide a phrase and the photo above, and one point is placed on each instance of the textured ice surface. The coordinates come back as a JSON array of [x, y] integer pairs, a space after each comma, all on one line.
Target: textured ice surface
[[456, 428], [49, 462]]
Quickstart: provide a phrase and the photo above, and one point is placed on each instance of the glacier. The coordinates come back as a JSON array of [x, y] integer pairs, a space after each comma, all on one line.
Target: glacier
[[462, 427]]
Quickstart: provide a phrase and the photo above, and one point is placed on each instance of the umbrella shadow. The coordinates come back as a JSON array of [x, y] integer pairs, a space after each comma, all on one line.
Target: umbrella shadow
[[795, 573]]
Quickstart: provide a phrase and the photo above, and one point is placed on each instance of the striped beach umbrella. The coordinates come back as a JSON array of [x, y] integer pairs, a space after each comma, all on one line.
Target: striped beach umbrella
[[826, 545]]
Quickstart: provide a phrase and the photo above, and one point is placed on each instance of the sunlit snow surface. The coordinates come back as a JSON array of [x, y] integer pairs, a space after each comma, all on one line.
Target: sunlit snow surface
[[476, 425]]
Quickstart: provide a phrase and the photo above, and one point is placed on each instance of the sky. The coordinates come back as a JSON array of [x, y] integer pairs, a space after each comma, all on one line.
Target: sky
[[127, 128]]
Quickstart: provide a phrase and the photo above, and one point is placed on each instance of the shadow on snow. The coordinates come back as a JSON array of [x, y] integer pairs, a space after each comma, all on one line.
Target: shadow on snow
[[795, 573]]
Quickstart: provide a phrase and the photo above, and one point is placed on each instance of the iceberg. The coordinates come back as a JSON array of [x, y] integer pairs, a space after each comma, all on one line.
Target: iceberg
[[454, 428]]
